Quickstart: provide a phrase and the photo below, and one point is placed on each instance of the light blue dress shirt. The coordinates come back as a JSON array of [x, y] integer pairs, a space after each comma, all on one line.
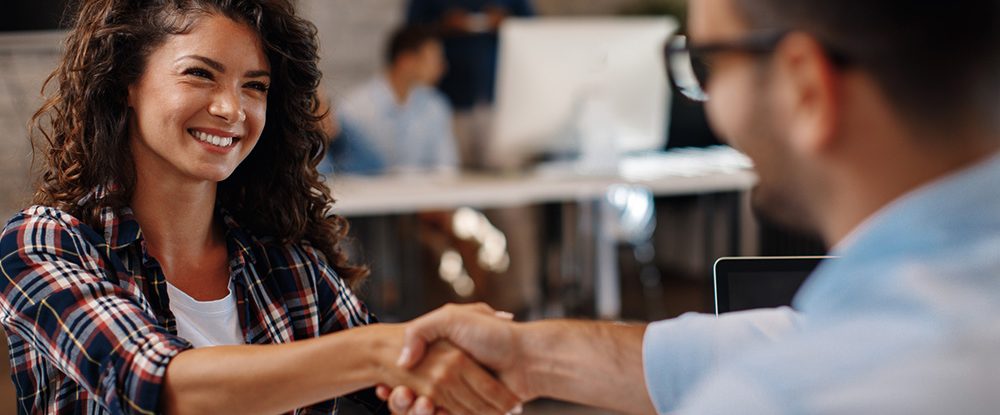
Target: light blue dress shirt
[[415, 135], [906, 322]]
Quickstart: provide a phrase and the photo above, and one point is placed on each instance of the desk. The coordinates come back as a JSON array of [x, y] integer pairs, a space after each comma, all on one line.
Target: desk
[[393, 195], [684, 172]]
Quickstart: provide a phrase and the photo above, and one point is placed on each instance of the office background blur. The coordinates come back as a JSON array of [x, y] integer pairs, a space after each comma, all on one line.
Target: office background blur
[[352, 35]]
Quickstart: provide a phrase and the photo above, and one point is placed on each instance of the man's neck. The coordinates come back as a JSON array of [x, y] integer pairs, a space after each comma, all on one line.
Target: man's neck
[[400, 84], [865, 191]]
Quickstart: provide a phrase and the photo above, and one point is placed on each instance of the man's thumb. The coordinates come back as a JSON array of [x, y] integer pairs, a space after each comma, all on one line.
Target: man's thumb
[[417, 335]]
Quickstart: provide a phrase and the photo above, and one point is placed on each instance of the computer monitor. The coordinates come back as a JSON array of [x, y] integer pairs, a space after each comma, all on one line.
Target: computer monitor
[[746, 283], [591, 88]]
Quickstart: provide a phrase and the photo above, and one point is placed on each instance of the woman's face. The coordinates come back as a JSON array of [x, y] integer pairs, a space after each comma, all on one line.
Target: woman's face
[[199, 106]]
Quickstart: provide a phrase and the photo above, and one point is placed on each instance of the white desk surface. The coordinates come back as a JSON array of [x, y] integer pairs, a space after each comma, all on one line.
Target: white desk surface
[[686, 172], [401, 194]]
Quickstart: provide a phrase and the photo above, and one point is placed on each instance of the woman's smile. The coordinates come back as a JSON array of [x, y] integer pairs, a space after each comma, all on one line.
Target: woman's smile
[[215, 140]]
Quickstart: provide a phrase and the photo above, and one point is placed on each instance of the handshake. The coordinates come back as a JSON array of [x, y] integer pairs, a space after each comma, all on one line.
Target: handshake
[[459, 359], [471, 359]]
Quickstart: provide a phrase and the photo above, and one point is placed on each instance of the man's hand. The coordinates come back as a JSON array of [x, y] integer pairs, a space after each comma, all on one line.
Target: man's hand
[[485, 334], [591, 363], [482, 332], [447, 377]]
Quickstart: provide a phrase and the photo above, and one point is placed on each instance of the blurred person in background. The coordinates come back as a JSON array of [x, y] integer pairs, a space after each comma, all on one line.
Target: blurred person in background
[[397, 121], [348, 153], [469, 30]]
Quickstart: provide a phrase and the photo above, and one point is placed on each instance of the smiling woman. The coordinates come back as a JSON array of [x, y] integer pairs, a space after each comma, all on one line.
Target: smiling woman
[[178, 257], [275, 190], [198, 109]]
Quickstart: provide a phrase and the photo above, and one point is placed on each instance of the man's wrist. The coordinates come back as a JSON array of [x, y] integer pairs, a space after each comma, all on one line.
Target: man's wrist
[[532, 348]]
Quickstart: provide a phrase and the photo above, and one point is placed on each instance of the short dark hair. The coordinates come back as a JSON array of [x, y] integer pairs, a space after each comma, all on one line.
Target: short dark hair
[[408, 39], [937, 61]]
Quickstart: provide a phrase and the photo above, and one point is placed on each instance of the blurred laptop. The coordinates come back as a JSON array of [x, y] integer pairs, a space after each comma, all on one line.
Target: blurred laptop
[[745, 283]]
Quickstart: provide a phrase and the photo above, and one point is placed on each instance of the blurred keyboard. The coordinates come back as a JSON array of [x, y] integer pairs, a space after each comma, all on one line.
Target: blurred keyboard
[[684, 162], [677, 162]]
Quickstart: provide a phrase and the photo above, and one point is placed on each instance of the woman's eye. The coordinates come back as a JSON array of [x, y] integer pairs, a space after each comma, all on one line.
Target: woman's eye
[[260, 86], [199, 72]]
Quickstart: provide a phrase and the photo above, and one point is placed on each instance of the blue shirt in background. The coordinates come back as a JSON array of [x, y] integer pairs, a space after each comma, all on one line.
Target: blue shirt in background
[[349, 153], [381, 135], [906, 322]]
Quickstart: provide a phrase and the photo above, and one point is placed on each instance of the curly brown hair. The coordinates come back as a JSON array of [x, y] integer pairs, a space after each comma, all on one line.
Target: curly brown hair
[[276, 191]]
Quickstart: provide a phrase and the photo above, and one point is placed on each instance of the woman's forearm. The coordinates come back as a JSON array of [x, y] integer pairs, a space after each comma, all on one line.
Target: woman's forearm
[[269, 379]]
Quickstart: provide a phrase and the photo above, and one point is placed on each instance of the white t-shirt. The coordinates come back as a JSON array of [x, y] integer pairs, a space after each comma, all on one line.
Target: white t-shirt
[[205, 323]]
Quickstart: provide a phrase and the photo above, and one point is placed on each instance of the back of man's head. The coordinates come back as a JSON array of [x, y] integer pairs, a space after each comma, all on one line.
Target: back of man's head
[[938, 62]]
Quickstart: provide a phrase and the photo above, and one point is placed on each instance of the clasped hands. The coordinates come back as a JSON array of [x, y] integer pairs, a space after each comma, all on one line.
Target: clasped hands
[[458, 359]]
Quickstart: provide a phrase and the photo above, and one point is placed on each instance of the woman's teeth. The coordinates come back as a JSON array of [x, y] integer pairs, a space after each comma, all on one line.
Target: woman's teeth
[[212, 139]]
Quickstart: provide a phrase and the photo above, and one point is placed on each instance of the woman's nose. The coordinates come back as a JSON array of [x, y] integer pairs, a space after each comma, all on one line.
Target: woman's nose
[[228, 106]]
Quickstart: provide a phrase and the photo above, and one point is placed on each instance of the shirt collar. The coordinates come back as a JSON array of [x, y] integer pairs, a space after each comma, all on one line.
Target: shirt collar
[[929, 204], [121, 229], [239, 239], [955, 210], [386, 96]]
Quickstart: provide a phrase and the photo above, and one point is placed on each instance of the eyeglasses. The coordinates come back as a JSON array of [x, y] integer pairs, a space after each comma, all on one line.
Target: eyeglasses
[[687, 65], [689, 70]]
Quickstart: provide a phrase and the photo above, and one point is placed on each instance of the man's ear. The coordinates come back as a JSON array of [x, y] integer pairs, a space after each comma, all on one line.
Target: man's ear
[[808, 94]]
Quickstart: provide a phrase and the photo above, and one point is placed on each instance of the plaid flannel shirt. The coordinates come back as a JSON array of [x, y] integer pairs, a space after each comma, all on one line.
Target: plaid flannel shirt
[[86, 313]]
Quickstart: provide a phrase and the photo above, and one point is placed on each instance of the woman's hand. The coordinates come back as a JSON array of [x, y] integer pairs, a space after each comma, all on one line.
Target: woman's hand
[[478, 330], [454, 382]]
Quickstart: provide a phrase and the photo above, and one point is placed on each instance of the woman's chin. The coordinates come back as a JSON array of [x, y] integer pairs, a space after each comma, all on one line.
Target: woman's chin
[[212, 175]]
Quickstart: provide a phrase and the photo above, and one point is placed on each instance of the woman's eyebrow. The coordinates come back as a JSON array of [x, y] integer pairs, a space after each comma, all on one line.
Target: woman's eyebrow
[[260, 73], [214, 64], [218, 66]]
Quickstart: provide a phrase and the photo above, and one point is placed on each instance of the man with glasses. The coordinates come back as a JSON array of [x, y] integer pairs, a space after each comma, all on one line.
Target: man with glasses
[[875, 124]]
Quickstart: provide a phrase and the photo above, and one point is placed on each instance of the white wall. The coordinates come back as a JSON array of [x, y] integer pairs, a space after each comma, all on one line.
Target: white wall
[[25, 62]]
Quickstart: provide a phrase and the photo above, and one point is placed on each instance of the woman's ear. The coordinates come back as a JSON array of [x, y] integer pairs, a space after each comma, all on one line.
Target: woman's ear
[[130, 93]]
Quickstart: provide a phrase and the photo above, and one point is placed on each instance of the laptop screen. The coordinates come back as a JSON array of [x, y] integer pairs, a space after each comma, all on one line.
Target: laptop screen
[[745, 283]]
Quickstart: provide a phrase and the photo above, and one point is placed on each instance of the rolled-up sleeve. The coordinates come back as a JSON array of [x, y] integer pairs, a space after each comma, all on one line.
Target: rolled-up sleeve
[[58, 297], [677, 353]]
